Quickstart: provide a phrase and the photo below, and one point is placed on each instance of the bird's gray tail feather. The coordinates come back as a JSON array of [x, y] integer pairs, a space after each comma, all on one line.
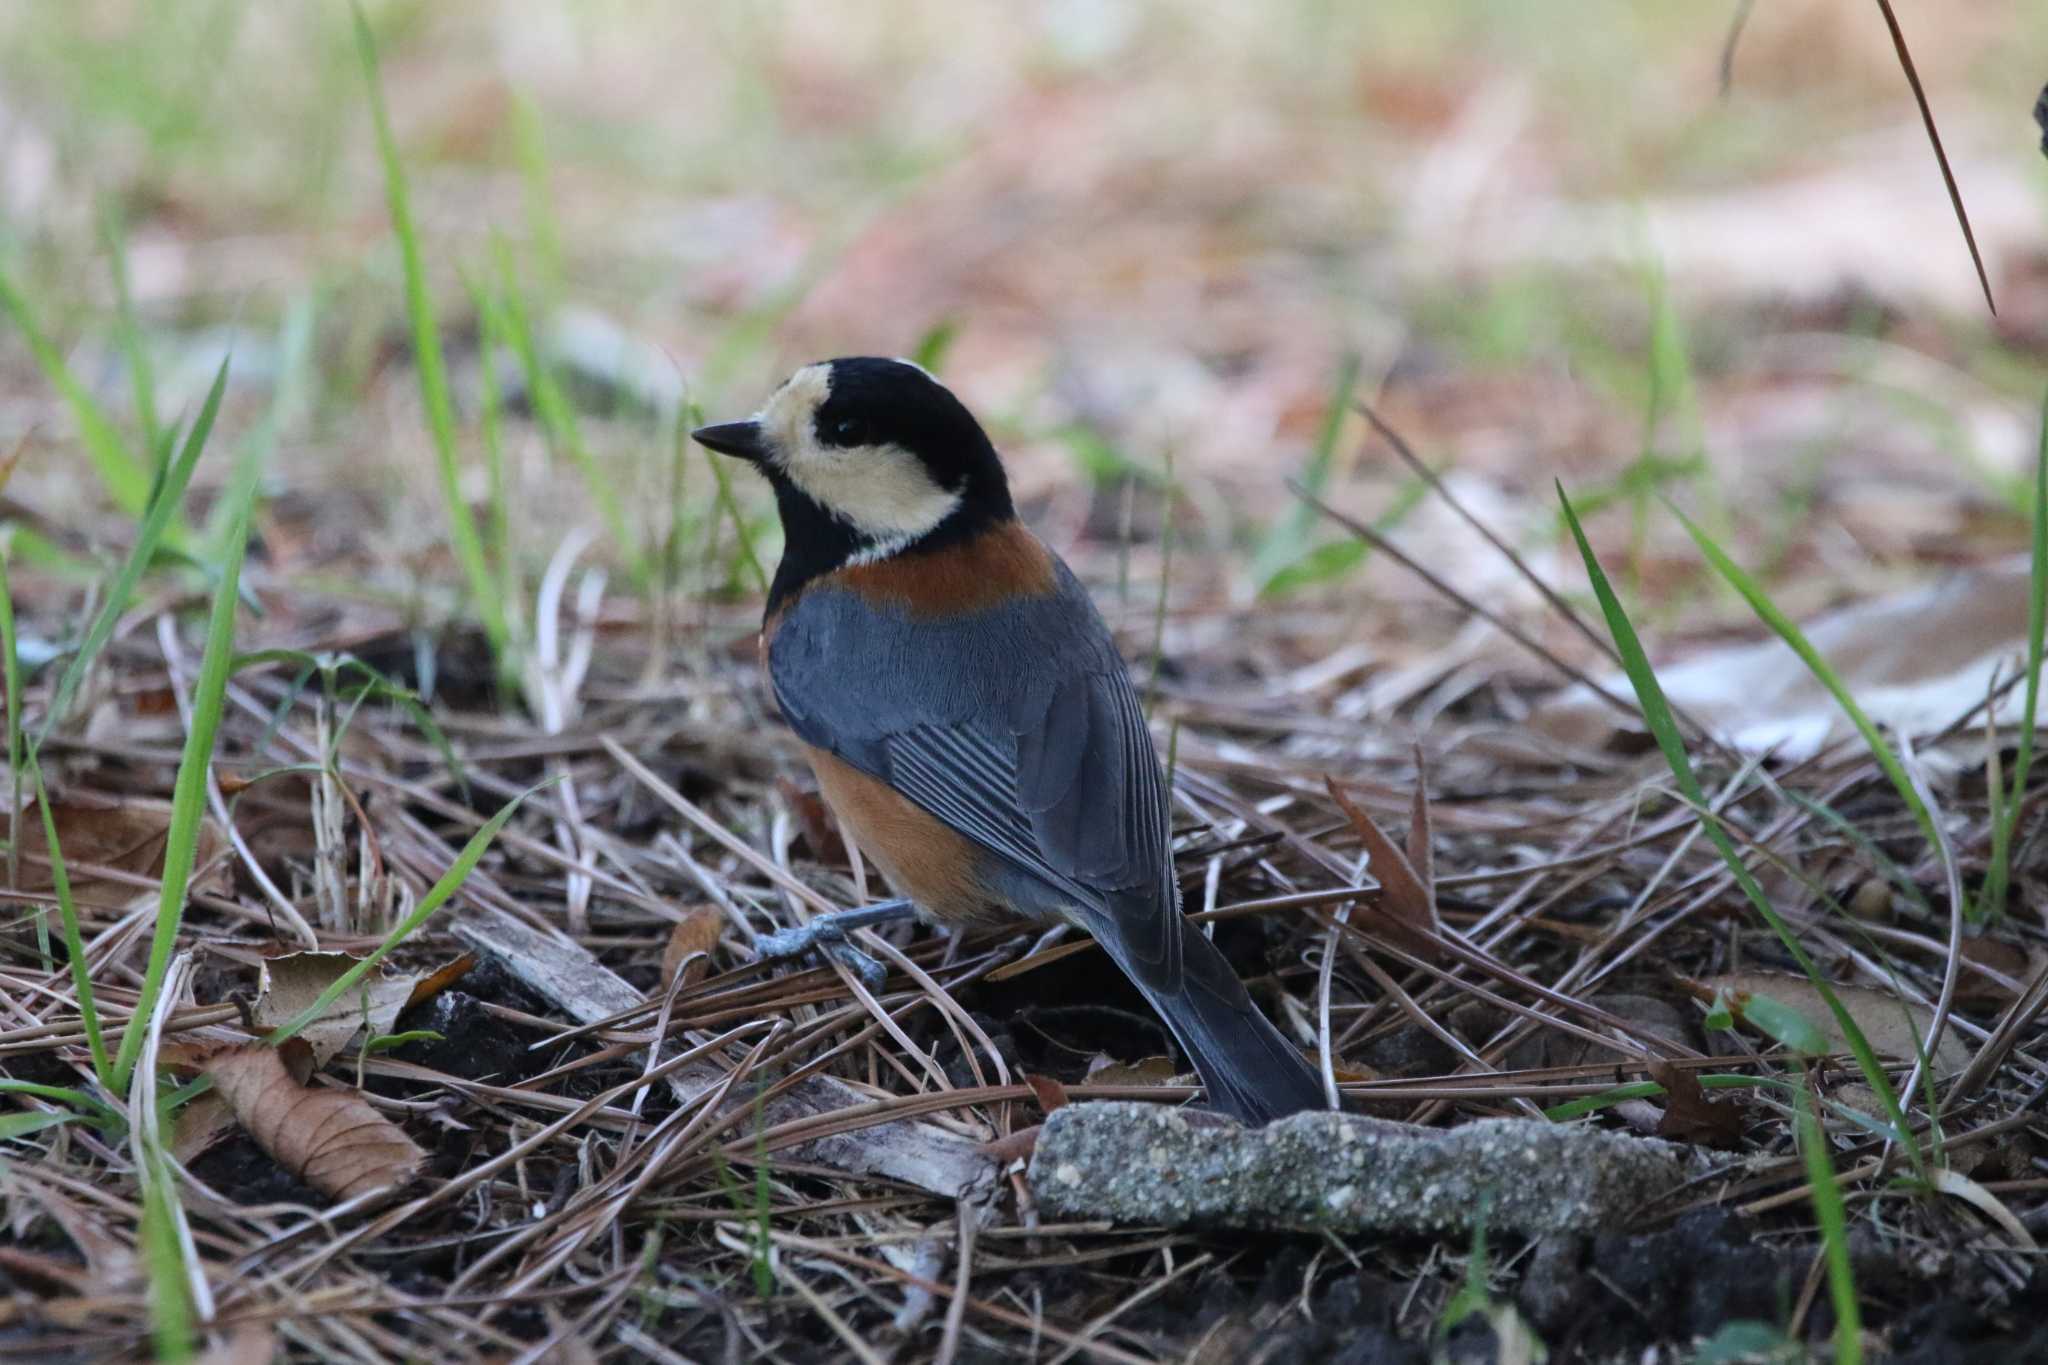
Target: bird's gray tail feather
[[1250, 1071]]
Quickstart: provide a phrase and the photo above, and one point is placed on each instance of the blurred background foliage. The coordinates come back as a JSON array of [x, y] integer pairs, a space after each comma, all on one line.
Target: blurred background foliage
[[1544, 241]]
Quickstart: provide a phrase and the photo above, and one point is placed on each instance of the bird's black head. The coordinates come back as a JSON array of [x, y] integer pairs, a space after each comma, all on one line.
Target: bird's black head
[[870, 458]]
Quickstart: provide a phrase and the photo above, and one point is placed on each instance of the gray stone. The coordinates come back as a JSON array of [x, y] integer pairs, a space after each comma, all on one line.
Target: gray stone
[[1153, 1164]]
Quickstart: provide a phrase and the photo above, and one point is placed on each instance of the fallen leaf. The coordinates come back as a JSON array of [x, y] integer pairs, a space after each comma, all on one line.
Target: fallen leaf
[[1994, 971], [1051, 1094], [821, 831], [1016, 1146], [1689, 1116], [1893, 1027], [100, 834], [1405, 894], [1106, 1070], [440, 979], [1421, 846], [331, 1139], [290, 984], [201, 1122], [690, 944]]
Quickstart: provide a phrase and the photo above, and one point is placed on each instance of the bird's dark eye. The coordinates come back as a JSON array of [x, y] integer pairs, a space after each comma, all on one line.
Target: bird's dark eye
[[850, 431]]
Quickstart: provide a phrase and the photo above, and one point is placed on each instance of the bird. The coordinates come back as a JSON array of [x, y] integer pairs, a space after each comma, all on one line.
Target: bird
[[968, 717]]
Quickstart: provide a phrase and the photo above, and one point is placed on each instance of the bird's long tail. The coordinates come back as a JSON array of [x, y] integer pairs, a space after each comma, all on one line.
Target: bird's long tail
[[1250, 1071]]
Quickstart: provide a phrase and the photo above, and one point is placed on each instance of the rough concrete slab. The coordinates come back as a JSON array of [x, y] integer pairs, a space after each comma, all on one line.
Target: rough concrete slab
[[1153, 1164]]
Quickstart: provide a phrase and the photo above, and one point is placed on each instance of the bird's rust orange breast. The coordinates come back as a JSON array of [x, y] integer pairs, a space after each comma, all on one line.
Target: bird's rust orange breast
[[1002, 563], [922, 858]]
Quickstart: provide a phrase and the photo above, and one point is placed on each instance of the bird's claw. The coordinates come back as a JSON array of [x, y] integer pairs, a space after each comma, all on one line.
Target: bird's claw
[[825, 937]]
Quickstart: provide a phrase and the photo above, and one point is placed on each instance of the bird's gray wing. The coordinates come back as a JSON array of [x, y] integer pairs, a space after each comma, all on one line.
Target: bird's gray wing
[[1017, 726]]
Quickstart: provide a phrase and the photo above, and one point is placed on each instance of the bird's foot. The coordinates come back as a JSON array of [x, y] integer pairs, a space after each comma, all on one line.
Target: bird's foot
[[826, 935]]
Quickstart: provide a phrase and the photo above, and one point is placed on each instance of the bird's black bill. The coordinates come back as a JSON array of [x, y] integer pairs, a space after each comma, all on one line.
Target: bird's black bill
[[741, 440]]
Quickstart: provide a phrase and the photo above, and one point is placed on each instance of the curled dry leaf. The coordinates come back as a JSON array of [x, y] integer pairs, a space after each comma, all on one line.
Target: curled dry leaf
[[331, 1139], [688, 954], [104, 835], [1894, 1027], [821, 831], [425, 988], [1107, 1070], [1406, 895], [207, 1118], [1016, 1146], [1994, 971], [1689, 1116], [1051, 1094], [290, 984]]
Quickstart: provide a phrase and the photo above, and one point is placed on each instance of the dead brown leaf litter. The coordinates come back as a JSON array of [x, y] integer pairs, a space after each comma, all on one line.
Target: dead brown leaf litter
[[634, 1112]]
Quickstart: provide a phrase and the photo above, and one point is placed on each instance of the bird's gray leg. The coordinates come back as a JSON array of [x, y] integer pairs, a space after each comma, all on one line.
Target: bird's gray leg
[[827, 934]]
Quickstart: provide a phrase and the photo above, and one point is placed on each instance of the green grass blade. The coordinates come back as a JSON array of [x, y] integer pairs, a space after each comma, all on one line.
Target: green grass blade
[[125, 479], [451, 881], [170, 1305], [1992, 899], [558, 415], [88, 1105], [729, 505], [148, 538], [1767, 611], [1287, 542], [141, 376], [427, 358], [21, 1125], [10, 667], [1834, 1234], [188, 793], [544, 236], [1663, 727], [74, 937], [933, 347], [490, 423]]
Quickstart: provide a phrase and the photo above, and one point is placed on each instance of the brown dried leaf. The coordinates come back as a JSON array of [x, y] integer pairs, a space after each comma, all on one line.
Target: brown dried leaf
[[1994, 971], [690, 945], [1051, 1094], [1107, 1070], [290, 984], [821, 831], [1016, 1146], [206, 1119], [1405, 894], [202, 1122], [440, 979], [1893, 1027], [99, 834], [1421, 850], [331, 1139], [1689, 1116]]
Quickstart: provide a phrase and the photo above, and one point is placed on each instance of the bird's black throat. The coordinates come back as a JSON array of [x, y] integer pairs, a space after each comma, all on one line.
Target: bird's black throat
[[816, 543]]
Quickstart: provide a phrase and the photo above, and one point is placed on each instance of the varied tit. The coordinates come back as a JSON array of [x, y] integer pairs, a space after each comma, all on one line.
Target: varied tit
[[968, 717]]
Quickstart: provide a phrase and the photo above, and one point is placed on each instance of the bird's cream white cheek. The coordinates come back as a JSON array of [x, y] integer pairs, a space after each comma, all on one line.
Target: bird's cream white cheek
[[882, 491]]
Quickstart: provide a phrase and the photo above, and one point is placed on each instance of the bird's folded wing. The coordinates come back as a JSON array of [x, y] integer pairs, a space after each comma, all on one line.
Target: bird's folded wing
[[1018, 727]]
